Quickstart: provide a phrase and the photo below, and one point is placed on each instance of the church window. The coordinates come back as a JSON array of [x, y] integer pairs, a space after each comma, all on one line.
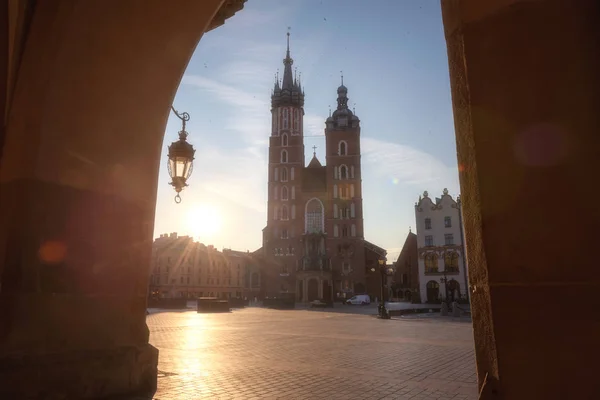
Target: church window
[[276, 174], [293, 211], [335, 231], [286, 115], [352, 171], [274, 124], [284, 193], [335, 191], [343, 172], [335, 211], [343, 148], [284, 156], [275, 212], [352, 190], [314, 216], [284, 233], [297, 119], [353, 230], [335, 172], [284, 213], [275, 192], [344, 231], [284, 139], [284, 174], [292, 173], [293, 192], [352, 211]]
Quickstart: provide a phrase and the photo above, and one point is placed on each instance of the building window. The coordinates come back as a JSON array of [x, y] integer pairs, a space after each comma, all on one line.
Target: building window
[[335, 211], [276, 174], [284, 156], [448, 239], [284, 193], [284, 213], [451, 261], [296, 119], [346, 267], [343, 172], [293, 210], [352, 211], [343, 148], [276, 192], [353, 230], [274, 123], [335, 231], [314, 216], [335, 191], [345, 231], [181, 279], [284, 233], [284, 174], [284, 139], [352, 190], [427, 223], [431, 262], [293, 192], [447, 222], [286, 118], [352, 171], [275, 212], [429, 240]]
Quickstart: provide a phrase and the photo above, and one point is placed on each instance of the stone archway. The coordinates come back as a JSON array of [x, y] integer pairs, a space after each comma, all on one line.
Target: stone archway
[[433, 292]]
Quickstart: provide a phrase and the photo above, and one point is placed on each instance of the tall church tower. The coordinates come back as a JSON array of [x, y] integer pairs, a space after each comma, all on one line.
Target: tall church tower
[[344, 222], [282, 235]]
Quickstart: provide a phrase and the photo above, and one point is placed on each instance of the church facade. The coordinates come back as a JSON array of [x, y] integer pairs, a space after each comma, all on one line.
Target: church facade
[[314, 234]]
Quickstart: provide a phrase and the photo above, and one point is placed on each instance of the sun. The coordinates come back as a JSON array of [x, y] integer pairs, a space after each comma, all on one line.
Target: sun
[[204, 221]]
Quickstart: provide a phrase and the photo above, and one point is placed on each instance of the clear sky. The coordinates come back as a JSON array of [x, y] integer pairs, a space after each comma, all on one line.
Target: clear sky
[[393, 57]]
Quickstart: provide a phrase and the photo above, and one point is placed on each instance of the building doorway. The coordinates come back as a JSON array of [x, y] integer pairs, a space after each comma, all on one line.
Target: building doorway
[[326, 290], [433, 292]]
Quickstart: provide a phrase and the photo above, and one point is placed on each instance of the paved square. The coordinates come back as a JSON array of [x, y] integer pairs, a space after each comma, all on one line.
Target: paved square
[[257, 353]]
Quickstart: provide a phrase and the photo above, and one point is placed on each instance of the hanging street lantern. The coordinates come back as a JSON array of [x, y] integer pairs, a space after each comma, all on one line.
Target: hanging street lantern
[[181, 158]]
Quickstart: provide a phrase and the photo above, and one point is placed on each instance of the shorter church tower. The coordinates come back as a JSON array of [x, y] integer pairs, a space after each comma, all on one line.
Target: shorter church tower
[[345, 214]]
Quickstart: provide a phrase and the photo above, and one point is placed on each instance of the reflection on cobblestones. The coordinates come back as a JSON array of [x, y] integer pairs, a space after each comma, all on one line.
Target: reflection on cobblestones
[[267, 354]]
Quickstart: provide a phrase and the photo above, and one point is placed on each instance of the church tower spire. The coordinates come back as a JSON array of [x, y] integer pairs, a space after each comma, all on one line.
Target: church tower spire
[[288, 92]]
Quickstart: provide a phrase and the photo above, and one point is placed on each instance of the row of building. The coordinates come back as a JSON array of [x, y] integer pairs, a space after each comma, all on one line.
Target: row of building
[[313, 245]]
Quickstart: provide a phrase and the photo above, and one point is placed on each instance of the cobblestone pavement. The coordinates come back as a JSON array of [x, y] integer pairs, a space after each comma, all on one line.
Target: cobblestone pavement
[[256, 353]]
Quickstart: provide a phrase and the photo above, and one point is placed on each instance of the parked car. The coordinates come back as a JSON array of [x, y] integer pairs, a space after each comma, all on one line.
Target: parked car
[[362, 299]]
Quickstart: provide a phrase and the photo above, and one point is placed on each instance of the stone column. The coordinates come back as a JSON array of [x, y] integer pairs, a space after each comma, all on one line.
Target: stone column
[[525, 79], [78, 181]]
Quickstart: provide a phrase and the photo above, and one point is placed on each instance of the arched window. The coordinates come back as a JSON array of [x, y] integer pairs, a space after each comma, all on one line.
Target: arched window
[[335, 211], [353, 230], [284, 193], [284, 213], [276, 174], [286, 117], [343, 172], [343, 148], [431, 262], [296, 119], [352, 190], [314, 216], [293, 212], [451, 261], [293, 192], [335, 172], [284, 174], [352, 211], [284, 156], [292, 173], [275, 192], [335, 231], [284, 139], [335, 191], [352, 171]]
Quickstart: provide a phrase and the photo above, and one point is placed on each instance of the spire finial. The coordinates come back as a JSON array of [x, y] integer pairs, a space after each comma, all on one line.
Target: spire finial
[[342, 75], [354, 108], [330, 110], [288, 40], [314, 151], [409, 229]]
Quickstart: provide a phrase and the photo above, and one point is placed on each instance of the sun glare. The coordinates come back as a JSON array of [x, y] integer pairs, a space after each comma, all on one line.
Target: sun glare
[[204, 221]]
